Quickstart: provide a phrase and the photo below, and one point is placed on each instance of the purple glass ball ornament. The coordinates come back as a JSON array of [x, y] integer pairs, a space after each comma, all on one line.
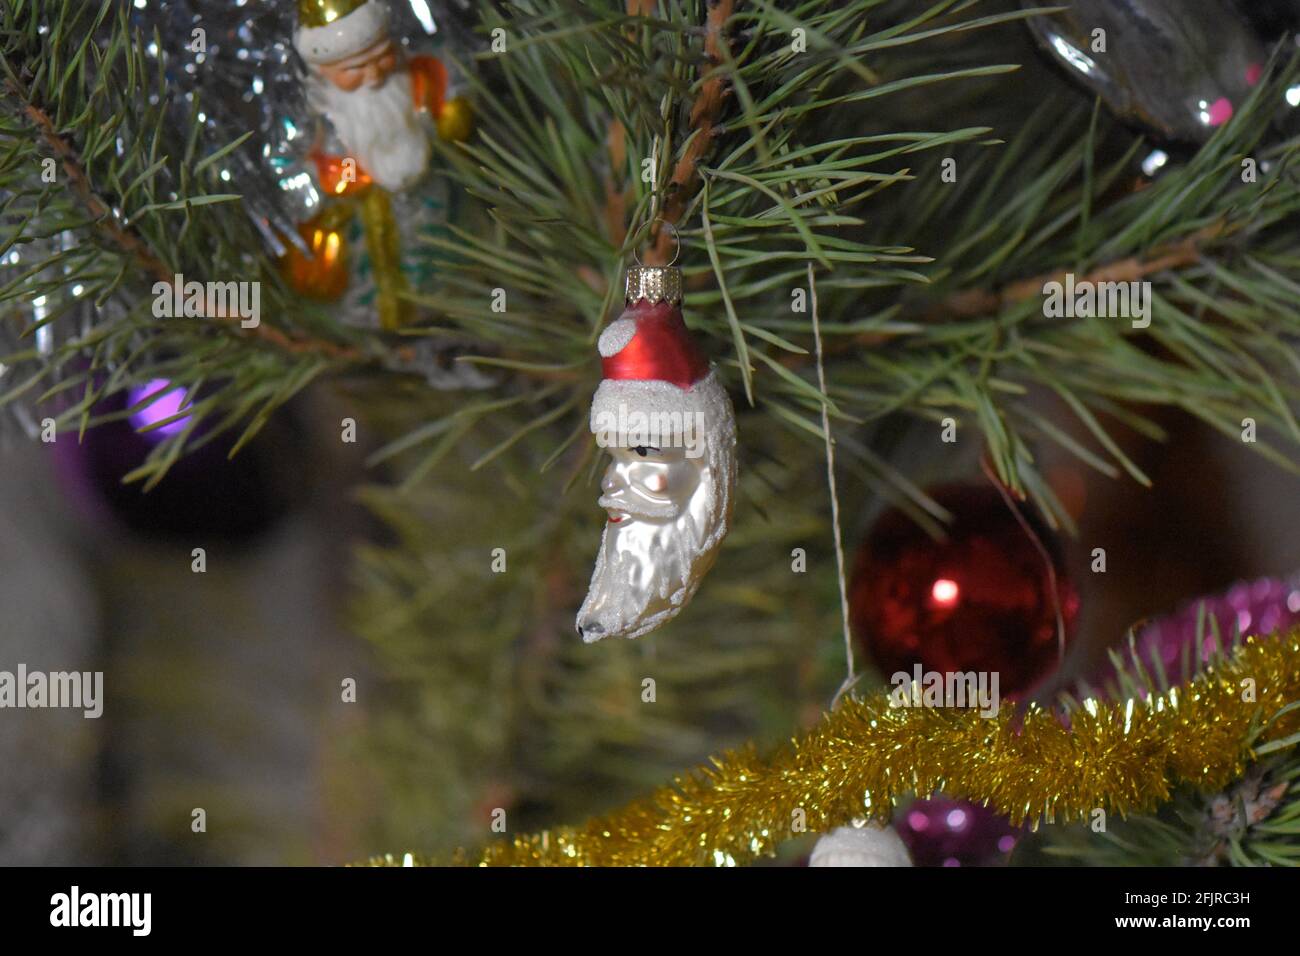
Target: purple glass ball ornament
[[1248, 608], [164, 401], [205, 492], [939, 831]]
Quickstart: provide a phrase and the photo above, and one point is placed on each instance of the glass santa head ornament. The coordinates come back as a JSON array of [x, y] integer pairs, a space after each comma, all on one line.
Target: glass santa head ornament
[[668, 425]]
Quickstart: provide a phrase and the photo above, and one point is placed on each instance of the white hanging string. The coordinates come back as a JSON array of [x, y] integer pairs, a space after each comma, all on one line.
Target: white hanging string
[[851, 676]]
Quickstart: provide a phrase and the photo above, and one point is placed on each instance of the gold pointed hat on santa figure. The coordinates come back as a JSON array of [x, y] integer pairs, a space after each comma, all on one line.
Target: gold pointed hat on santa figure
[[330, 30]]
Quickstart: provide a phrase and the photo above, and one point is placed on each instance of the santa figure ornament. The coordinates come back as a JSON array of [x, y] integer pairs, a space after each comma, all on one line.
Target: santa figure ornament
[[669, 427], [382, 106]]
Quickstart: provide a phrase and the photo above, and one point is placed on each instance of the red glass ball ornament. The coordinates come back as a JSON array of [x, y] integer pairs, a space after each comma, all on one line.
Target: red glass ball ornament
[[978, 600]]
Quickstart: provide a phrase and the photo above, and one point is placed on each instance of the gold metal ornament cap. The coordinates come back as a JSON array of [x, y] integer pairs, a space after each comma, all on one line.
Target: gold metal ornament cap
[[319, 13], [654, 284]]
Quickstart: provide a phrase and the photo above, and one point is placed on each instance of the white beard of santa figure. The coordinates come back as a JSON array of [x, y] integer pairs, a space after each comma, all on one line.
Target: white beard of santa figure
[[378, 121], [669, 427], [379, 126]]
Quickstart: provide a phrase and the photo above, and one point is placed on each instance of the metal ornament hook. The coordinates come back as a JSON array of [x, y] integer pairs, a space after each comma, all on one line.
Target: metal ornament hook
[[677, 241]]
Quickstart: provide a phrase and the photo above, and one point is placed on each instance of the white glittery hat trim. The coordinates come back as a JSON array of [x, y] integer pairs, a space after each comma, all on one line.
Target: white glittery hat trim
[[653, 397], [345, 36]]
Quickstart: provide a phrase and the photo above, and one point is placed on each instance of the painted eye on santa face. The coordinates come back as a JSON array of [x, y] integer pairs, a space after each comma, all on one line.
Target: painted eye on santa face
[[658, 473]]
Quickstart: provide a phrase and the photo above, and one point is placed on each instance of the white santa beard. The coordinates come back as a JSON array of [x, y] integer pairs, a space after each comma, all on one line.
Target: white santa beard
[[380, 127], [648, 569], [644, 575]]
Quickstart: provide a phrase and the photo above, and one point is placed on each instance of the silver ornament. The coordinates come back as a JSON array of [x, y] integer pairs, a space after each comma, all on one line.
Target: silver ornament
[[860, 845]]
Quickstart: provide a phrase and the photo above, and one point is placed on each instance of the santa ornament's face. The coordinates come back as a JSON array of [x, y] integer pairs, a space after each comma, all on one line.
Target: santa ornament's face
[[667, 504], [666, 516], [377, 122], [369, 68], [649, 483]]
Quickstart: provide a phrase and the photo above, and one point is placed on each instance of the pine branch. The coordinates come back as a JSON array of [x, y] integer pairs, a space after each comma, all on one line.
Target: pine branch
[[124, 214], [129, 242], [105, 222], [605, 84], [826, 154], [706, 111], [976, 302]]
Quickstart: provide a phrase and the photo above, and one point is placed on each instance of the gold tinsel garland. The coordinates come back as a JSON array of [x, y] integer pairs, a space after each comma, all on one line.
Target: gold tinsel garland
[[1124, 757]]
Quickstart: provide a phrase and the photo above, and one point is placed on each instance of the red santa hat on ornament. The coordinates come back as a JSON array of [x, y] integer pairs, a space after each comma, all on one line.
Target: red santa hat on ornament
[[653, 370]]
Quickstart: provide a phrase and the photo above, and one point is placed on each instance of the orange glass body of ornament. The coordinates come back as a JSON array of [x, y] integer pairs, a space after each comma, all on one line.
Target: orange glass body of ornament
[[324, 274], [340, 175]]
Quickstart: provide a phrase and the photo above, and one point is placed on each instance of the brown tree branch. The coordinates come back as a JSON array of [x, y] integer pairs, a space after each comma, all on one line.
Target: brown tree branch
[[129, 242], [705, 113], [972, 303], [616, 194], [975, 302], [79, 183], [616, 190]]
